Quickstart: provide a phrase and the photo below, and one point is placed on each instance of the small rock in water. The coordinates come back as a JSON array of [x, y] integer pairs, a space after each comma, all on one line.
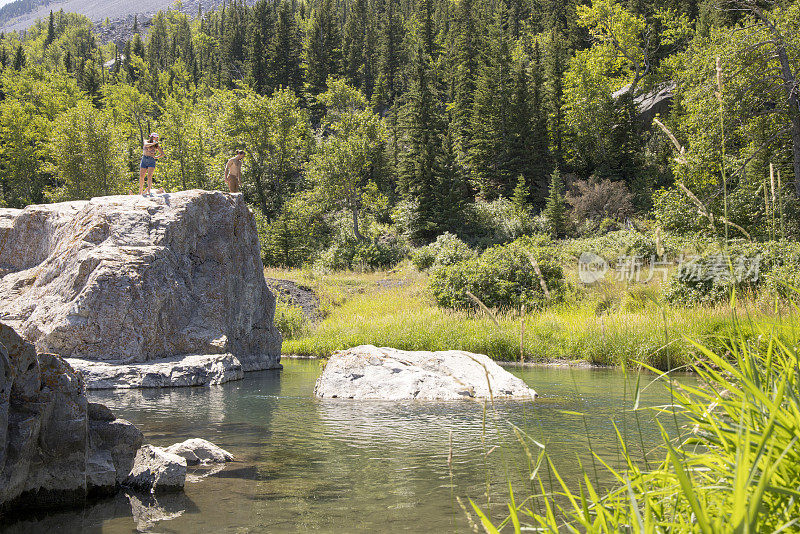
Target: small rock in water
[[368, 372], [155, 469], [199, 451]]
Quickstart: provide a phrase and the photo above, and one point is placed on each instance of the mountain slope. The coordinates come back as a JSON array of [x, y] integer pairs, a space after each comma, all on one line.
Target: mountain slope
[[22, 14]]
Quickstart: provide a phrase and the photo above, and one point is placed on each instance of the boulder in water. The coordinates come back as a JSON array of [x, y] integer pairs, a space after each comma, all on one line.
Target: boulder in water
[[368, 372], [132, 279], [155, 470], [199, 451], [194, 370]]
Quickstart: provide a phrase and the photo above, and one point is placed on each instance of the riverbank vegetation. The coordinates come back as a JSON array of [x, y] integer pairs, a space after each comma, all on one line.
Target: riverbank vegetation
[[733, 467], [605, 324]]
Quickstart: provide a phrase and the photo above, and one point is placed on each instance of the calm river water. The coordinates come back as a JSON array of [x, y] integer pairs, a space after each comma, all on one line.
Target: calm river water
[[344, 466]]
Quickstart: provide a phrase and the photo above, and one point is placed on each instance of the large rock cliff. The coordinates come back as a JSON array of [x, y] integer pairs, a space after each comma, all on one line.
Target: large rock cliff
[[131, 279]]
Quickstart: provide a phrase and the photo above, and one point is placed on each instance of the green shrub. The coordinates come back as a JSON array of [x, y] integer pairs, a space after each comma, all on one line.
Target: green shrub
[[446, 250], [502, 277], [613, 245], [497, 222], [346, 253], [746, 267]]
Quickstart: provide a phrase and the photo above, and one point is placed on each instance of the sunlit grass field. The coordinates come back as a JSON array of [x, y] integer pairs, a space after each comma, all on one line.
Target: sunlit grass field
[[606, 325]]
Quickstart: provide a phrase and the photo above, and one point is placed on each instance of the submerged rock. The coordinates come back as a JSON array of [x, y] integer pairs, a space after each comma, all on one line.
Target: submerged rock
[[368, 372], [131, 279], [195, 370], [199, 451], [55, 448], [155, 469]]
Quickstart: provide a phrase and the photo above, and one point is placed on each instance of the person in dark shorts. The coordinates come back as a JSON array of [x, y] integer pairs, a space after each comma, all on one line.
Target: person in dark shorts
[[151, 151]]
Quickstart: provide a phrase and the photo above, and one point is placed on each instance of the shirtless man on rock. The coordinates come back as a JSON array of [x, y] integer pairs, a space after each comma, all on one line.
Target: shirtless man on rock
[[233, 171]]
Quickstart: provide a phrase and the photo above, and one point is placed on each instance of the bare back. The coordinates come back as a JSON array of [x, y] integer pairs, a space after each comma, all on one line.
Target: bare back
[[233, 174], [234, 167]]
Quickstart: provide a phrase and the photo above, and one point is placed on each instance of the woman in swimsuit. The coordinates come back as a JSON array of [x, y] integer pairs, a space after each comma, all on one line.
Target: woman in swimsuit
[[148, 164]]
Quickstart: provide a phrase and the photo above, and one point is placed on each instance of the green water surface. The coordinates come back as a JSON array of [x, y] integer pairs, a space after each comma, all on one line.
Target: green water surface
[[337, 465]]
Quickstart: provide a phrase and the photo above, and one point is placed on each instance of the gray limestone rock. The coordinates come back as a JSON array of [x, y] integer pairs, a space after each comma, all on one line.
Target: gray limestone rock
[[199, 451], [194, 370], [131, 279], [155, 470], [368, 372]]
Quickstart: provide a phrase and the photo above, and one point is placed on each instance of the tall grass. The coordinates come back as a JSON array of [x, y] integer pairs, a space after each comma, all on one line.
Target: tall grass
[[407, 318], [735, 468]]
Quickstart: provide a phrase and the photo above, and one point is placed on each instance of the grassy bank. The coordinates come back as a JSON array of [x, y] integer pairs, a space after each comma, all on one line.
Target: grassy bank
[[735, 468], [609, 325]]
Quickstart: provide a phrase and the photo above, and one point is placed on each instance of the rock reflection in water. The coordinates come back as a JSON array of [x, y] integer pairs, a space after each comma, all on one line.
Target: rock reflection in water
[[149, 510], [145, 510]]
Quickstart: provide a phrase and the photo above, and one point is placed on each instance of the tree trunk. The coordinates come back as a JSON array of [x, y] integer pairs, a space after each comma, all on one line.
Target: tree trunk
[[790, 85], [356, 230], [795, 118]]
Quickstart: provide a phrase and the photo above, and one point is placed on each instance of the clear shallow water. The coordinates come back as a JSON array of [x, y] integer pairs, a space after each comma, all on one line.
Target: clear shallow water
[[346, 466]]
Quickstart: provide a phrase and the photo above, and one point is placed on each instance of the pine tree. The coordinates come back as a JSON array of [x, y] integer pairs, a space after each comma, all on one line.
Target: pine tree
[[286, 50], [19, 59], [556, 209], [354, 45], [520, 123], [234, 25], [465, 76], [520, 197], [556, 66], [262, 36], [323, 54], [452, 191], [137, 47], [135, 28], [157, 44], [51, 31], [423, 125], [390, 58], [541, 159], [489, 156]]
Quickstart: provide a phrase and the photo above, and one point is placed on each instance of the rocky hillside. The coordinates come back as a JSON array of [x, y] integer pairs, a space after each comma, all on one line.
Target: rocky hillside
[[22, 14]]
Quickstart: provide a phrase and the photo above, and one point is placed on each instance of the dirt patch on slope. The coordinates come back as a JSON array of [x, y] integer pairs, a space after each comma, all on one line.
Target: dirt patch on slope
[[297, 295]]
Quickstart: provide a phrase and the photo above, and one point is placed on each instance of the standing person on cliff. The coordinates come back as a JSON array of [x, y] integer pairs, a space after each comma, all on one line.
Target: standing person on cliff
[[233, 171], [148, 165]]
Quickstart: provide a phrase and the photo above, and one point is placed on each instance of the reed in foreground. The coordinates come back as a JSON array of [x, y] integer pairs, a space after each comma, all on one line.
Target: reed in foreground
[[736, 468]]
